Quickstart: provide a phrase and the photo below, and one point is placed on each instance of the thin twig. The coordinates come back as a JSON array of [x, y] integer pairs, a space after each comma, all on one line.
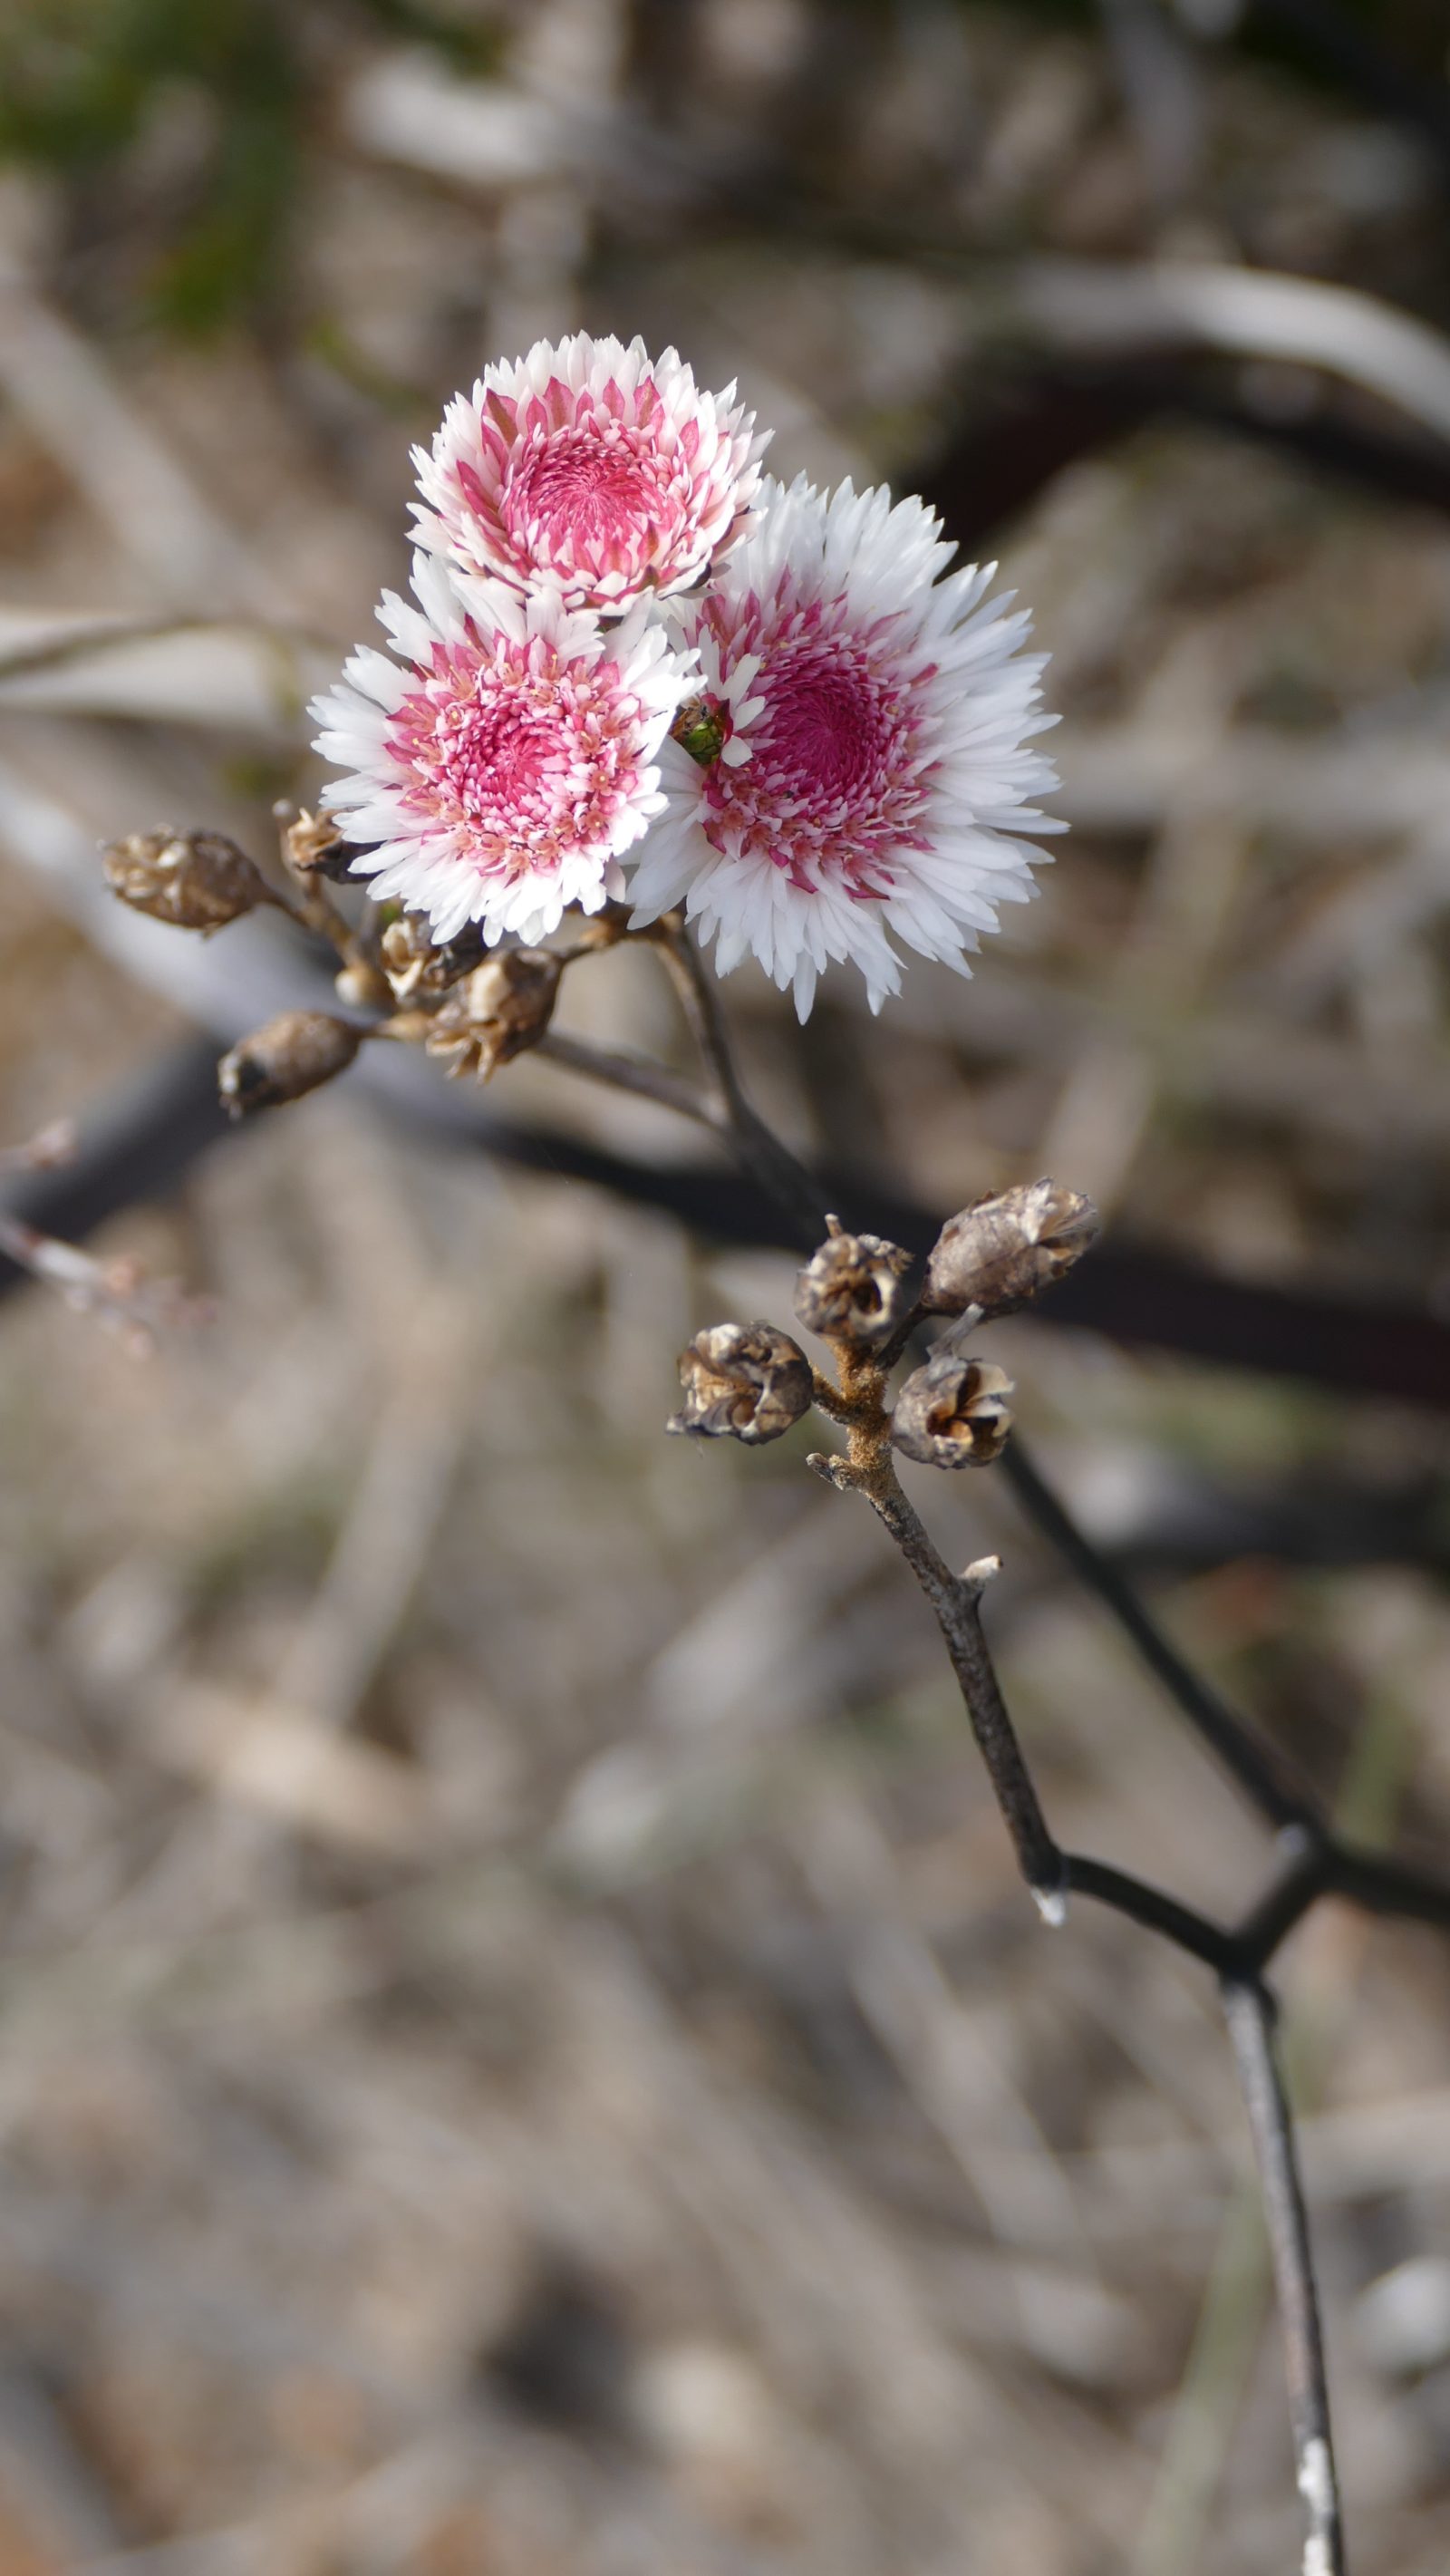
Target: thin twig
[[117, 1292], [1257, 1767], [1316, 1863], [1149, 1906], [758, 1150], [1248, 2005], [1308, 1873], [954, 1600], [1249, 2009], [1388, 1887], [1260, 1772], [640, 1074]]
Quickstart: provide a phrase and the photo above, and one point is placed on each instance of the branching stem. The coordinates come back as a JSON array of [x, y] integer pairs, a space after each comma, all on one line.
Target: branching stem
[[1314, 1863]]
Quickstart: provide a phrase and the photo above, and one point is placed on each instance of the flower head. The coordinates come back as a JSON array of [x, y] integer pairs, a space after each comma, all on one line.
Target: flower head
[[589, 469], [858, 762], [502, 772]]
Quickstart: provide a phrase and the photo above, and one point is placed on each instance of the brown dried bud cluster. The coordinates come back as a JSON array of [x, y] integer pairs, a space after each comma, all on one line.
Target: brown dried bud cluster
[[742, 1382], [996, 1255], [417, 967], [504, 1007], [314, 845], [194, 880], [953, 1413], [853, 1289], [295, 1053]]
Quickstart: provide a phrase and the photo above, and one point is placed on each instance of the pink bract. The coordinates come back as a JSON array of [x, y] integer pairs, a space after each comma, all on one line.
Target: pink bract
[[591, 470]]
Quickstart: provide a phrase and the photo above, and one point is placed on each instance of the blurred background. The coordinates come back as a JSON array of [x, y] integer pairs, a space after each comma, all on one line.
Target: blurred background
[[521, 2051]]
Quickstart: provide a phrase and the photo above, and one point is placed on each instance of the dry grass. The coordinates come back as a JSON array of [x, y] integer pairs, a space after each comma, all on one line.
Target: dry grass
[[521, 2050]]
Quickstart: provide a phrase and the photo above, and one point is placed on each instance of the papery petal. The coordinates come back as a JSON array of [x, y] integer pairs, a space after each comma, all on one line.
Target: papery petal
[[501, 774], [873, 776], [591, 470]]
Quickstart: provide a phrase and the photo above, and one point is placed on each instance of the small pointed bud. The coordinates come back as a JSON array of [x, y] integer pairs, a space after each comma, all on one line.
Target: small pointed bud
[[504, 1007], [742, 1382], [853, 1289], [418, 967], [295, 1053], [314, 845], [1006, 1249], [194, 880], [953, 1413]]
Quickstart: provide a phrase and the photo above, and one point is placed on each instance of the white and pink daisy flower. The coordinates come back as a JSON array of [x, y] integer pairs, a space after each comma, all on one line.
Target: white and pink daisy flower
[[505, 769], [858, 761], [589, 469]]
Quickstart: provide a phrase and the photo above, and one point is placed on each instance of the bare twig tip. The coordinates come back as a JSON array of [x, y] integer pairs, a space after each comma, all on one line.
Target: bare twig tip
[[832, 1470], [981, 1571]]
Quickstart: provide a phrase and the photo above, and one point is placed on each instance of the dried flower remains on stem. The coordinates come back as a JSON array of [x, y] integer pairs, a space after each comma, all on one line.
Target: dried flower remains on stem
[[953, 1413], [853, 1289], [193, 880], [295, 1053], [502, 1009], [746, 1382], [418, 966], [1004, 1250], [313, 844]]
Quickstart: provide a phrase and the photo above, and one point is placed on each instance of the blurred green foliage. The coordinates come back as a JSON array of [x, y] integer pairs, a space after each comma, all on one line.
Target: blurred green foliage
[[82, 83], [82, 80]]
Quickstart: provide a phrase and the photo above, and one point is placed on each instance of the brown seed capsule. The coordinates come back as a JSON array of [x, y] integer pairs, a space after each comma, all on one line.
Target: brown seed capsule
[[295, 1053], [195, 880], [504, 1007], [1004, 1250], [853, 1289], [742, 1382], [417, 967], [953, 1413], [314, 845]]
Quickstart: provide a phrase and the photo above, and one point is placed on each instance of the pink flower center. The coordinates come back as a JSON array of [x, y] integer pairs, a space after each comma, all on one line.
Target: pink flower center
[[592, 486], [837, 779], [524, 757], [598, 489]]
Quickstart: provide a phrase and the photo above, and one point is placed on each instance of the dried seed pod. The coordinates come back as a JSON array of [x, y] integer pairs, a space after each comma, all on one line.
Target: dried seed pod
[[195, 880], [1005, 1249], [953, 1413], [418, 967], [505, 1006], [314, 845], [742, 1382], [295, 1053], [853, 1289]]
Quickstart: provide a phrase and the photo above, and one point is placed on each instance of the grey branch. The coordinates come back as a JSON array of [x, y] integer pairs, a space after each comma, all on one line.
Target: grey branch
[[1250, 2013]]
